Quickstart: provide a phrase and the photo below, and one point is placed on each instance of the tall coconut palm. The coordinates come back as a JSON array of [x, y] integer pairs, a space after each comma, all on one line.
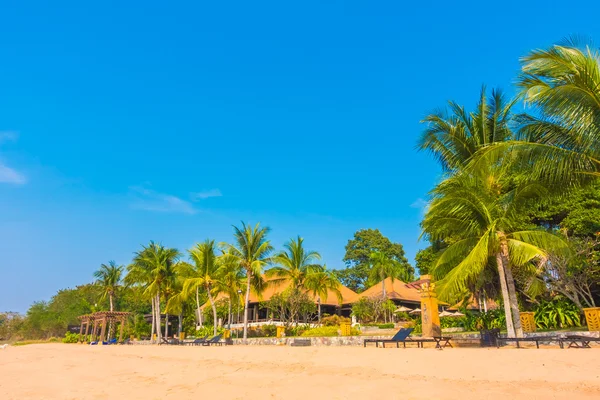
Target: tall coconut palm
[[202, 273], [252, 249], [231, 281], [294, 263], [558, 142], [153, 269], [108, 277], [383, 267], [321, 281], [453, 138], [486, 219]]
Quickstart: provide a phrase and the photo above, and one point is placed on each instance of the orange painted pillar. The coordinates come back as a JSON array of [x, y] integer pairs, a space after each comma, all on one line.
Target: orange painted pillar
[[430, 316]]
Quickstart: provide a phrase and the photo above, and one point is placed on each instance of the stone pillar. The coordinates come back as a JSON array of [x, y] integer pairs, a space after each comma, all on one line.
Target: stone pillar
[[430, 316]]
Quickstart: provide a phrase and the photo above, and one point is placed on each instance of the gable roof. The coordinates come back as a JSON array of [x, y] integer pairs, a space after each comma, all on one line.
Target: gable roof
[[396, 290]]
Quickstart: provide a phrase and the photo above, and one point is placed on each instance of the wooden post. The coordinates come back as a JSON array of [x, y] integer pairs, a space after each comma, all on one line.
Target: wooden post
[[121, 329], [80, 330], [103, 331], [87, 328]]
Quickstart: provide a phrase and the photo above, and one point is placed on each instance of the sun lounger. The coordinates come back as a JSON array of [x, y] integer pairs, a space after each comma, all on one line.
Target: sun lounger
[[216, 341], [536, 339], [197, 342], [440, 341], [579, 341], [400, 337]]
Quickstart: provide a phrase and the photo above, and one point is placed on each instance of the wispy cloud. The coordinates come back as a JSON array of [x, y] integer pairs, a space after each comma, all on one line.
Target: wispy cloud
[[206, 194], [8, 136], [150, 200], [421, 205], [9, 175]]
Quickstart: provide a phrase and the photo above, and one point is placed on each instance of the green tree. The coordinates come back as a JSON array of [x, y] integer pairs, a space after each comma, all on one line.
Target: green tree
[[231, 281], [486, 218], [358, 251], [252, 249], [153, 268], [108, 278], [319, 282], [383, 267], [202, 273], [294, 263], [454, 138]]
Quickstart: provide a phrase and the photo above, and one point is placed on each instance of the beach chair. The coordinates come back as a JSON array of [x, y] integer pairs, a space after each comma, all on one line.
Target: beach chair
[[536, 339], [579, 341], [197, 342], [400, 337], [216, 341]]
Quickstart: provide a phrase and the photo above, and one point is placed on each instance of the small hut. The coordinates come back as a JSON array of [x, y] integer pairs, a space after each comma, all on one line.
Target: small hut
[[99, 321]]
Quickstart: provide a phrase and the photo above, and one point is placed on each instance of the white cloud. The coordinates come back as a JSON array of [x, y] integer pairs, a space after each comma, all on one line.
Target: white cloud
[[8, 136], [9, 175], [149, 200], [206, 194], [421, 205]]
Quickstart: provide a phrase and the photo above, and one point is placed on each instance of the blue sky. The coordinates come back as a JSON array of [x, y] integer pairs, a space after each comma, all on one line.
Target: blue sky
[[121, 124]]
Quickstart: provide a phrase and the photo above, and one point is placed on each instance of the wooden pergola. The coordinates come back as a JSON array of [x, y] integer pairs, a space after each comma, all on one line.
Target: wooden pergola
[[99, 321]]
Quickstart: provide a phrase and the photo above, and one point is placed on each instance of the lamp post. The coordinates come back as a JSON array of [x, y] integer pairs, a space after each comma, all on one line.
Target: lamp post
[[237, 331]]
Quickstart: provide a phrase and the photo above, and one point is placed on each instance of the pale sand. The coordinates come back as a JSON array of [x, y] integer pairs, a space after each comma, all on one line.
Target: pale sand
[[56, 371]]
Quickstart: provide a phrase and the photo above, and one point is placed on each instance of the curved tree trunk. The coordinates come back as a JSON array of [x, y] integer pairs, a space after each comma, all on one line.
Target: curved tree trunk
[[506, 300], [166, 326], [319, 305], [514, 302], [214, 308], [229, 316], [180, 325], [110, 296], [246, 302]]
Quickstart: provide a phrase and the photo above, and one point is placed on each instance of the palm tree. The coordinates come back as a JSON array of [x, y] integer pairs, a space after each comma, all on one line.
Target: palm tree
[[383, 267], [153, 269], [108, 277], [454, 138], [294, 263], [230, 281], [252, 249], [321, 281], [486, 220], [560, 142], [202, 273]]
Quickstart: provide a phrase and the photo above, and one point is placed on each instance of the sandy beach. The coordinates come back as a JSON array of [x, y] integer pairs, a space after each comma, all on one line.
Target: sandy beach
[[56, 371]]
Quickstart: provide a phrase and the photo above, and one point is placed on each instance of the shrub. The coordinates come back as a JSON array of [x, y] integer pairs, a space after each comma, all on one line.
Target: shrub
[[321, 331], [386, 326], [296, 330], [557, 313], [334, 320], [71, 337]]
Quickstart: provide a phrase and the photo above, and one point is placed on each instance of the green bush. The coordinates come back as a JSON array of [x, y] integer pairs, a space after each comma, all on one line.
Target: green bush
[[334, 320], [386, 326], [71, 337], [321, 331], [557, 313]]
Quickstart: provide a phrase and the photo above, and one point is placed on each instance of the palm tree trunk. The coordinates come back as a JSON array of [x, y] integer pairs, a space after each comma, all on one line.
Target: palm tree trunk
[[246, 302], [198, 318], [110, 296], [383, 293], [110, 325], [229, 316], [153, 317], [514, 303], [158, 333], [319, 307], [506, 300], [214, 308], [180, 325], [166, 325]]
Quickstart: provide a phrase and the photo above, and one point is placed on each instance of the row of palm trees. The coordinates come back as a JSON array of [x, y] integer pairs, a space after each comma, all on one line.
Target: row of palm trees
[[498, 163], [249, 264]]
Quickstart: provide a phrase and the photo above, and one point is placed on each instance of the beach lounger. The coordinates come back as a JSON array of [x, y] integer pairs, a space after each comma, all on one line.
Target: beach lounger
[[197, 342], [579, 341], [216, 341], [400, 337], [536, 339], [440, 341]]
